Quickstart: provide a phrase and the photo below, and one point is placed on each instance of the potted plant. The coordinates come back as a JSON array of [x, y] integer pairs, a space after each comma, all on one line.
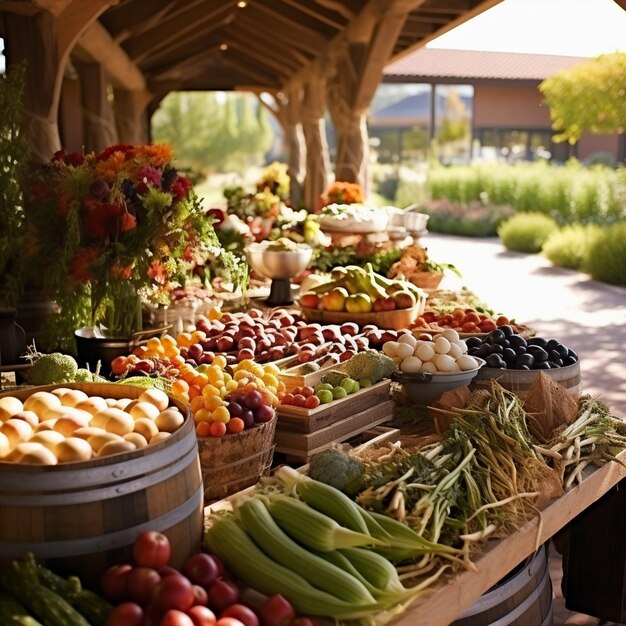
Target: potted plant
[[114, 227]]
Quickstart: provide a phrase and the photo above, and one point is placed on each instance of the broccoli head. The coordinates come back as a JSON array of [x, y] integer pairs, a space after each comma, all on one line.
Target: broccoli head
[[372, 365], [50, 369], [337, 469], [334, 377]]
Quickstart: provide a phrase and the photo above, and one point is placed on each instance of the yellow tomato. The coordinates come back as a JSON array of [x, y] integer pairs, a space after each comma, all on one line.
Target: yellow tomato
[[202, 415], [210, 390], [221, 414]]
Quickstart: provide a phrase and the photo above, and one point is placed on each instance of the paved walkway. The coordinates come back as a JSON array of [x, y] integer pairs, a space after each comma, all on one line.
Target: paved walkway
[[586, 315]]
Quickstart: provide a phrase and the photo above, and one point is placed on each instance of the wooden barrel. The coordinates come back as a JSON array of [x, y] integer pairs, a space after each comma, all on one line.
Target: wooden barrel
[[524, 598], [519, 381], [234, 462], [83, 516]]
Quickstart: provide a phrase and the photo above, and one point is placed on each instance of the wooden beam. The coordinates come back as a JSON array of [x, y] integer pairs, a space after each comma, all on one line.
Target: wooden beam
[[301, 24], [172, 29], [321, 16], [337, 7], [134, 15], [186, 66], [19, 7], [99, 46], [251, 65], [55, 7]]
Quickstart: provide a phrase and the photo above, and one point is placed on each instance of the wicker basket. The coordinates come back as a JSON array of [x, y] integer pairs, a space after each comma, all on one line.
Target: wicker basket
[[426, 280], [234, 462]]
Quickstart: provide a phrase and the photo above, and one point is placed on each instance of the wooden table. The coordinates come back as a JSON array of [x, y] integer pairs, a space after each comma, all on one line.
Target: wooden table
[[448, 601]]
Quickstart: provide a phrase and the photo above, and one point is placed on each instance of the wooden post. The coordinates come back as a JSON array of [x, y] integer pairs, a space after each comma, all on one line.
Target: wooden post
[[359, 66], [98, 123], [287, 109], [314, 128], [131, 115]]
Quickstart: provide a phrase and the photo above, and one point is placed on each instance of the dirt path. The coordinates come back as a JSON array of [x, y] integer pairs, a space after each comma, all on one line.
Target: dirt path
[[588, 316]]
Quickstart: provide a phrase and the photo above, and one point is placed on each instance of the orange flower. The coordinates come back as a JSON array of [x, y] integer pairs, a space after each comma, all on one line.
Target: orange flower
[[110, 169], [120, 272], [156, 154], [127, 222], [80, 267], [158, 272]]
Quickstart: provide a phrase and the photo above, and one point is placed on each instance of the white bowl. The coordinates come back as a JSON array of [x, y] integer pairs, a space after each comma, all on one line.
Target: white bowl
[[415, 222], [423, 387], [278, 263]]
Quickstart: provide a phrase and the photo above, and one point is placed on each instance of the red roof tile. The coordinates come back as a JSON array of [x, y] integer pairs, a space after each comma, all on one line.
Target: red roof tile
[[473, 64]]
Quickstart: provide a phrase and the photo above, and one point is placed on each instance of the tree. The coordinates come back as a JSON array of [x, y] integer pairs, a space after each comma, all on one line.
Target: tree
[[455, 123], [588, 97]]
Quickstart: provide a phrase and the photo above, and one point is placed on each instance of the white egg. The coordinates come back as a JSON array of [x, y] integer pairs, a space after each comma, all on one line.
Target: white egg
[[463, 346], [390, 348], [445, 363], [426, 351], [455, 350], [409, 339], [451, 335], [404, 350], [466, 362], [411, 365], [429, 366], [442, 345]]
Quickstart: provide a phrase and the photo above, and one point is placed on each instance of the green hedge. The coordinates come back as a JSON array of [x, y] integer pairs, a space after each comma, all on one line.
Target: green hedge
[[569, 246], [527, 232], [606, 258], [569, 194]]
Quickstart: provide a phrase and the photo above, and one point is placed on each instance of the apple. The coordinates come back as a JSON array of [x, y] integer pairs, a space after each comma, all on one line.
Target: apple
[[335, 299], [253, 399], [245, 615], [378, 305], [359, 303], [200, 596], [173, 592], [176, 618], [202, 616], [403, 299], [114, 582], [152, 549], [201, 569], [264, 413], [276, 611], [223, 594], [309, 300], [349, 328], [141, 584], [126, 614]]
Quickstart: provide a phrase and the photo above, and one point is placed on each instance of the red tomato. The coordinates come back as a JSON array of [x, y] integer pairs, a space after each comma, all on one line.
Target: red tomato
[[429, 316], [502, 321], [141, 584], [472, 317], [276, 611], [126, 614], [114, 583], [469, 327], [228, 621], [241, 612], [307, 391], [298, 400], [201, 569], [223, 594], [173, 592], [487, 326], [176, 618], [119, 365], [168, 570], [303, 621], [202, 616], [312, 402], [152, 549], [200, 596]]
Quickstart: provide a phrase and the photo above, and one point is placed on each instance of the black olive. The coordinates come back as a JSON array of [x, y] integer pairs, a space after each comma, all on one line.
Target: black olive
[[494, 360], [553, 364], [525, 359], [507, 330], [495, 336], [496, 348], [516, 341], [521, 350], [571, 353], [473, 351], [553, 355], [552, 344], [569, 360], [539, 353], [537, 341], [544, 365], [523, 367], [483, 351], [504, 343], [562, 350], [508, 354], [473, 342]]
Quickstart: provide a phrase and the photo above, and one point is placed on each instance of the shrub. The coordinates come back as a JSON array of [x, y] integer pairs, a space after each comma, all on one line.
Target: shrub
[[569, 246], [526, 232], [606, 259], [409, 192], [473, 220]]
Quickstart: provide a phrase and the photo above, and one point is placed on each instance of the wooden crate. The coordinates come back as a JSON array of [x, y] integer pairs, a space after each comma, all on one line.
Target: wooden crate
[[302, 446], [301, 420]]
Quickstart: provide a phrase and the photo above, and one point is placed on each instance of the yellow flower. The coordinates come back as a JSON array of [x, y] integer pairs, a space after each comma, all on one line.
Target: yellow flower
[[110, 169], [156, 154]]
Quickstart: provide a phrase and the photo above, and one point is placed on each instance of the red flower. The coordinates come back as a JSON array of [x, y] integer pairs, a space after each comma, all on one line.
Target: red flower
[[127, 221], [80, 266], [107, 152], [180, 187], [98, 222], [157, 272], [218, 215], [75, 159]]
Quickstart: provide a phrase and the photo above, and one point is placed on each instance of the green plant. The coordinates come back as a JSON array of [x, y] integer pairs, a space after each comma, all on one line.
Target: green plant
[[409, 192], [13, 156], [526, 232], [606, 258], [569, 246]]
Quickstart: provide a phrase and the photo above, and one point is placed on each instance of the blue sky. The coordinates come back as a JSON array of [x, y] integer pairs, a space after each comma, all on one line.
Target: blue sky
[[565, 27]]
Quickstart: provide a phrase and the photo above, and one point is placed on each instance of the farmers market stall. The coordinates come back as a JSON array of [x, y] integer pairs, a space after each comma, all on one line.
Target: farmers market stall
[[487, 449]]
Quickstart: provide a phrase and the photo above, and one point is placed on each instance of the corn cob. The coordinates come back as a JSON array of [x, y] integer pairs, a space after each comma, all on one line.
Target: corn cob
[[314, 529], [254, 568], [325, 499], [264, 531]]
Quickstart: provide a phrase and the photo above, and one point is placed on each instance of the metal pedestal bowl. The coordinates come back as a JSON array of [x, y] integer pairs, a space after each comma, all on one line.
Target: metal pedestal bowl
[[280, 266]]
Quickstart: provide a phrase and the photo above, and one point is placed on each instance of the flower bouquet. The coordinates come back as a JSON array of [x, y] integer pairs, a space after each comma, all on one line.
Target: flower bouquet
[[341, 192], [108, 229]]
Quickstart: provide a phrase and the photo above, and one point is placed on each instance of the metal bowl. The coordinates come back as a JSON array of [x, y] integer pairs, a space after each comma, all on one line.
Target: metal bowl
[[276, 264]]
